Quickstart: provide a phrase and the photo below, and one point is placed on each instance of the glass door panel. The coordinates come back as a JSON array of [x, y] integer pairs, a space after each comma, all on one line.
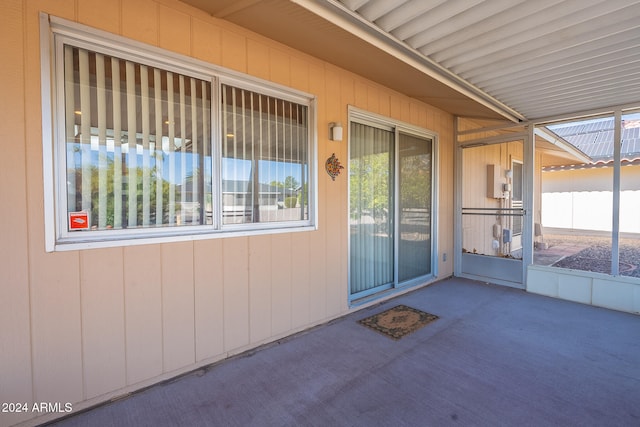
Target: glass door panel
[[415, 170], [371, 209]]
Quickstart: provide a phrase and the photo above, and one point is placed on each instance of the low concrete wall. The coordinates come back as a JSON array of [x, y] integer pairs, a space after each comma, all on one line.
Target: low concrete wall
[[504, 271], [617, 293]]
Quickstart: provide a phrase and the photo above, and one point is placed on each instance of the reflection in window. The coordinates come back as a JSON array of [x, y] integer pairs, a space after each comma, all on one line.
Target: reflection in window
[[415, 207], [137, 146], [265, 169]]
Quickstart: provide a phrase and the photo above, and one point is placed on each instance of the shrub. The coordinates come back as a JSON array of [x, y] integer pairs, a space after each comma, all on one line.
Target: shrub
[[290, 202]]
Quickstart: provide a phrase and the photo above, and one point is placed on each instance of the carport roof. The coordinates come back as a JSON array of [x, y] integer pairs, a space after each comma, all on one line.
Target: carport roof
[[596, 139], [514, 59]]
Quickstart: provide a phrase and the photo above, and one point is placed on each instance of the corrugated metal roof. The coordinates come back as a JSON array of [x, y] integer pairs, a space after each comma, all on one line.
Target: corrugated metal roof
[[595, 138]]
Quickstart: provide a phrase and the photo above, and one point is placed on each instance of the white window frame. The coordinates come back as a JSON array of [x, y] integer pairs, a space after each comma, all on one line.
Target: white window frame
[[54, 33]]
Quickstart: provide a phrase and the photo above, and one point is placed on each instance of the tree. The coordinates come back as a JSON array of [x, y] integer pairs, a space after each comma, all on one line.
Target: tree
[[290, 183]]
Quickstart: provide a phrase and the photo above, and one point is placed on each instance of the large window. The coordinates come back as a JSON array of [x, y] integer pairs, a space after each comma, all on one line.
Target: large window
[[148, 144], [589, 216]]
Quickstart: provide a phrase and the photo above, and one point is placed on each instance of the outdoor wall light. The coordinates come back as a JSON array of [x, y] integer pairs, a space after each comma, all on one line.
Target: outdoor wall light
[[335, 131]]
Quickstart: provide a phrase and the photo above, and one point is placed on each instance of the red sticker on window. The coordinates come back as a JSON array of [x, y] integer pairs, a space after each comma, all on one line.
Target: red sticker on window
[[78, 220]]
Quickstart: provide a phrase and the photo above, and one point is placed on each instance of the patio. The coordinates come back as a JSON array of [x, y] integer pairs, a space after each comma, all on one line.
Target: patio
[[496, 356]]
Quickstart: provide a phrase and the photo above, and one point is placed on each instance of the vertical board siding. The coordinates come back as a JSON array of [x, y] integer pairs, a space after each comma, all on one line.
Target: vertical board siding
[[140, 20], [281, 283], [175, 30], [208, 266], [15, 369], [53, 279], [234, 51], [318, 262], [83, 325], [56, 328], [280, 67], [300, 279], [258, 55], [206, 41], [260, 283], [143, 314], [236, 293], [100, 14], [178, 315], [103, 328], [335, 218]]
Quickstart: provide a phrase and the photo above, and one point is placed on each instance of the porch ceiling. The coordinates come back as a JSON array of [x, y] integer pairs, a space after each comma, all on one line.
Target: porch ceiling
[[514, 59]]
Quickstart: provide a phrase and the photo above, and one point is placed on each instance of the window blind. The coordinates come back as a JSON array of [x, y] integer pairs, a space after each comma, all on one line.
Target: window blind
[[137, 143], [265, 169]]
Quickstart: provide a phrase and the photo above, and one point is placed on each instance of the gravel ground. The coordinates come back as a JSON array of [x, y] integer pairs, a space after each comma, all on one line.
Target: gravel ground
[[597, 256]]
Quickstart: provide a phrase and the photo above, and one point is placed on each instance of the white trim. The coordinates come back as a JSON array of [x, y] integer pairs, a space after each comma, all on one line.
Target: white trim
[[615, 223], [47, 131], [490, 140], [457, 199], [164, 238], [528, 199], [583, 115], [549, 136]]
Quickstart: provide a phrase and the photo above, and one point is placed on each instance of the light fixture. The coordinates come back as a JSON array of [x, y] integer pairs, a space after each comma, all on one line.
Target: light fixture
[[335, 131]]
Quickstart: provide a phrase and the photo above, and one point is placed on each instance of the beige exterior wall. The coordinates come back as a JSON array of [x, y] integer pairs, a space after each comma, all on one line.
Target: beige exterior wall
[[86, 326], [582, 199], [597, 179]]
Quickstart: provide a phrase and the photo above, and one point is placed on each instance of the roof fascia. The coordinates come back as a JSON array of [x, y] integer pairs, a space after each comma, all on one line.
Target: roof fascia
[[561, 143]]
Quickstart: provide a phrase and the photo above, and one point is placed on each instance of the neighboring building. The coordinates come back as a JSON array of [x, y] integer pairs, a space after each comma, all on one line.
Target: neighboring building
[[570, 190]]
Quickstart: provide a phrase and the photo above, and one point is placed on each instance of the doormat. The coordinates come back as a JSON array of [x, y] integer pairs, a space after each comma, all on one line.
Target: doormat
[[398, 321]]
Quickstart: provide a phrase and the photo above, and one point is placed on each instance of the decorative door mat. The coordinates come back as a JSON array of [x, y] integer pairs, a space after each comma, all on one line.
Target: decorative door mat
[[398, 321]]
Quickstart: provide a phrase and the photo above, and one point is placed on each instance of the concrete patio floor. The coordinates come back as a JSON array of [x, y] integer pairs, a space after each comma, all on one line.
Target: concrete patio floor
[[496, 357]]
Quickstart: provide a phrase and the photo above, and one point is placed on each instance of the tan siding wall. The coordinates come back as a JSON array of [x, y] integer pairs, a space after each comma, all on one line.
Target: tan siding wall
[[15, 351], [85, 326]]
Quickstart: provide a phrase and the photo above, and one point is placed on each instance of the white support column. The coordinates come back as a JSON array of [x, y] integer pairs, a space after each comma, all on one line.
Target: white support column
[[615, 230], [457, 203], [528, 199]]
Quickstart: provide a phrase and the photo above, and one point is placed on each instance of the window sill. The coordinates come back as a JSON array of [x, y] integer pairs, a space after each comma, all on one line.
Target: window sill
[[74, 244]]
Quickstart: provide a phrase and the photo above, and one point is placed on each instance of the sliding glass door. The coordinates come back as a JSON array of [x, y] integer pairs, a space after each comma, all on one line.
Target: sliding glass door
[[391, 203], [414, 239]]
